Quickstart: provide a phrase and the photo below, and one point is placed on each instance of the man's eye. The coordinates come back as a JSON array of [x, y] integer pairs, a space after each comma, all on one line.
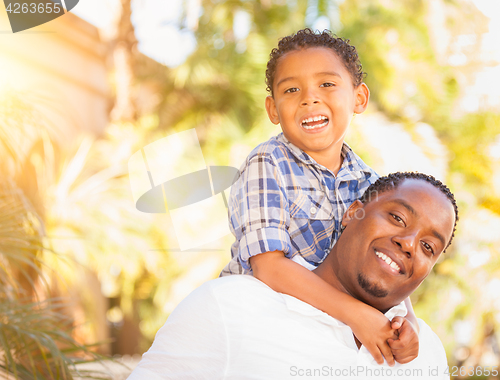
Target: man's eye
[[427, 247], [398, 219], [327, 84], [293, 89]]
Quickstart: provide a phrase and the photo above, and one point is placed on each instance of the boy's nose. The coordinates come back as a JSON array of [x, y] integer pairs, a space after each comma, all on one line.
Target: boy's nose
[[310, 97], [307, 102]]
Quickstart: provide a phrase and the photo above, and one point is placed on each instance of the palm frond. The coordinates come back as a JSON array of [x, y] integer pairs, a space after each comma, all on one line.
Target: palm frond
[[36, 339], [35, 336]]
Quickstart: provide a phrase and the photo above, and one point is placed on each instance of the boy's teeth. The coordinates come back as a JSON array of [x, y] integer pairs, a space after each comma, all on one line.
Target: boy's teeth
[[315, 125], [388, 260], [315, 119]]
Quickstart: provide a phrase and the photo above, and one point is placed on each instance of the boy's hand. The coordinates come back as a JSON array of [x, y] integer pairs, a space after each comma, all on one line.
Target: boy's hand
[[405, 348], [373, 330]]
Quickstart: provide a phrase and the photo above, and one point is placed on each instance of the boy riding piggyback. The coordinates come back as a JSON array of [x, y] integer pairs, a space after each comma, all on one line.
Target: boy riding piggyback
[[287, 204]]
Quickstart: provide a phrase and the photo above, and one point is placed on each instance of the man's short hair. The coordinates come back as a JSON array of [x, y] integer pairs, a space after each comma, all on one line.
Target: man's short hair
[[306, 38], [393, 180]]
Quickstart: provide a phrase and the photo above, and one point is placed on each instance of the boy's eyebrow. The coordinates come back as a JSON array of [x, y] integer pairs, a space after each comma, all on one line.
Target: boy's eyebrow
[[284, 80], [332, 73], [323, 73]]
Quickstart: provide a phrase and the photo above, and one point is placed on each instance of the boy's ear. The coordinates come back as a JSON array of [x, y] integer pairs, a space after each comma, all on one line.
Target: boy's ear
[[362, 95], [350, 214], [272, 111]]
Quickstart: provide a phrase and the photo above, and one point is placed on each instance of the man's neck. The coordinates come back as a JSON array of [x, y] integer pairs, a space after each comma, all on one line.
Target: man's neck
[[326, 271]]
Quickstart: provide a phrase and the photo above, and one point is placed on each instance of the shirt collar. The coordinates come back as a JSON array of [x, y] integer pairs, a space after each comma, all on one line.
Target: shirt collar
[[353, 168], [342, 331]]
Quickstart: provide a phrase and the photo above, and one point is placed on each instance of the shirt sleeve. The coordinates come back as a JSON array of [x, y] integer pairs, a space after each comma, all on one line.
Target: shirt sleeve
[[259, 210], [192, 344]]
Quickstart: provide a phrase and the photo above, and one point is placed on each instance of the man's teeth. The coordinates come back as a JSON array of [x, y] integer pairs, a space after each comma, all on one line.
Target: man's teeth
[[313, 120], [388, 260]]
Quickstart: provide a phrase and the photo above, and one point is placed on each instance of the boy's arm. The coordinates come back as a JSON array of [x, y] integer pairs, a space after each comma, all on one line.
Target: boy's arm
[[406, 347], [369, 325]]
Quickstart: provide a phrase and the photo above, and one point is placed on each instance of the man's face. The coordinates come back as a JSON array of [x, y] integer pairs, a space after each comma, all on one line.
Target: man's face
[[390, 244], [314, 100]]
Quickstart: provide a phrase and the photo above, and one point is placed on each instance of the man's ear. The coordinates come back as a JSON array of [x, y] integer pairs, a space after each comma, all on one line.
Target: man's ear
[[362, 95], [350, 214], [272, 111]]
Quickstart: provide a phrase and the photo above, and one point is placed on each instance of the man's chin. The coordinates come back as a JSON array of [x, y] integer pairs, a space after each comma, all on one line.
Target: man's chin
[[372, 289]]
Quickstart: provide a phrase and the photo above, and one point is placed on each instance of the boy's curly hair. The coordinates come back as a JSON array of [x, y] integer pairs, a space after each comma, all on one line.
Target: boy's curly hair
[[393, 180], [306, 38]]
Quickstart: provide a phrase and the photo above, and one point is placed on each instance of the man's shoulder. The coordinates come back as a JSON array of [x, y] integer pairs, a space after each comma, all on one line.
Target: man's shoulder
[[222, 292], [233, 284], [431, 347], [427, 334], [237, 292]]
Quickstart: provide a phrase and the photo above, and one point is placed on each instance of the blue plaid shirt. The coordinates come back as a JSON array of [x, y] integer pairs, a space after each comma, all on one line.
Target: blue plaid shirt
[[283, 200]]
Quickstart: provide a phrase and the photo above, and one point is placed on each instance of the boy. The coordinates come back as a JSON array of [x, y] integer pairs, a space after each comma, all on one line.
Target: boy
[[293, 190]]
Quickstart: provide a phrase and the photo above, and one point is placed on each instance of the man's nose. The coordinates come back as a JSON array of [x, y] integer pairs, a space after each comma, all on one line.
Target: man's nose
[[309, 96], [407, 242]]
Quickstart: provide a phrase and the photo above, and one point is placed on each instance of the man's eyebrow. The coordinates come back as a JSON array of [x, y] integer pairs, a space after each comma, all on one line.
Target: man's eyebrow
[[439, 236], [407, 206], [414, 213]]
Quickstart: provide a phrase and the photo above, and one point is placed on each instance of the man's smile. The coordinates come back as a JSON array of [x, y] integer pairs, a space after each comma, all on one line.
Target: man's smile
[[390, 262]]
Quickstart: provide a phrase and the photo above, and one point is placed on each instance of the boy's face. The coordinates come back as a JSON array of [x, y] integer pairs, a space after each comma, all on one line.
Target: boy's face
[[314, 100]]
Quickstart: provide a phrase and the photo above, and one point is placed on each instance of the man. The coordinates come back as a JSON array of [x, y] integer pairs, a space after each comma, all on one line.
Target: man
[[238, 328]]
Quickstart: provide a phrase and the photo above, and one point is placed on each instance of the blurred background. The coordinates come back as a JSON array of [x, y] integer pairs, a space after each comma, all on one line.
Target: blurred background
[[86, 276]]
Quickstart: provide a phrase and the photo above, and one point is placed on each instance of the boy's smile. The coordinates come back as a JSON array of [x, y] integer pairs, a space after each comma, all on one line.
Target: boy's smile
[[314, 102]]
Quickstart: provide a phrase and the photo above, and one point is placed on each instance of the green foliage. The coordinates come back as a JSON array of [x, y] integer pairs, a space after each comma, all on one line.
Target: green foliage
[[80, 206], [35, 336], [469, 139], [224, 76]]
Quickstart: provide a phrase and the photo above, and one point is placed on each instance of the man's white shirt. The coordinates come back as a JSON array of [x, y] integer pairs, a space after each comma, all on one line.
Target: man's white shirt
[[237, 327]]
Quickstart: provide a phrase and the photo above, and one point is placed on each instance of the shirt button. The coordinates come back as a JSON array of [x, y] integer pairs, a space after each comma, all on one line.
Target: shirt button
[[313, 210]]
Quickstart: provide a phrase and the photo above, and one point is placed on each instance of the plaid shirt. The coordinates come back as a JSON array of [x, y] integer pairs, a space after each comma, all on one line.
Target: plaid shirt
[[283, 200]]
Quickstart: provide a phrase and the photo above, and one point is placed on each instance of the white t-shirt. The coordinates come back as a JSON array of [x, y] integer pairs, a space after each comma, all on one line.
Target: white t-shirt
[[237, 327]]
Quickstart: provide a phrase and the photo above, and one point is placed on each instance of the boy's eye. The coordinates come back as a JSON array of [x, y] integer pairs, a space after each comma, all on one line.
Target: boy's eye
[[327, 84], [398, 219], [293, 89], [428, 248]]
